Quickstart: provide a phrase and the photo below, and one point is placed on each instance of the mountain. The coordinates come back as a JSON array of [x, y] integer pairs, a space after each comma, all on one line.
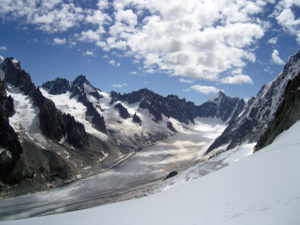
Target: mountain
[[220, 106], [63, 131], [287, 114], [41, 146], [260, 189], [253, 121], [137, 119]]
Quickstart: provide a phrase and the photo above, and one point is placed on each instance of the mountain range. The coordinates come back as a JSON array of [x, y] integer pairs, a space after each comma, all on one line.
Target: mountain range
[[66, 130]]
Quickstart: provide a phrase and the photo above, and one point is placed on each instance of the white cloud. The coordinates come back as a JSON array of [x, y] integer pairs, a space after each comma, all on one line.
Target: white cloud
[[195, 39], [237, 79], [114, 63], [88, 53], [90, 36], [273, 40], [181, 80], [286, 17], [119, 85], [3, 48], [59, 41], [49, 16], [133, 73], [50, 4], [276, 59], [204, 89]]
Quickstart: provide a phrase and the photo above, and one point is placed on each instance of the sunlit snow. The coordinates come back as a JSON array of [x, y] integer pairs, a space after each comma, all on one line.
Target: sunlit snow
[[261, 189]]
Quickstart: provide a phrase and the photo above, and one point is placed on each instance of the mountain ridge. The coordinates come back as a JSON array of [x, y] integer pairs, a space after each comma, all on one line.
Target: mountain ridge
[[251, 124]]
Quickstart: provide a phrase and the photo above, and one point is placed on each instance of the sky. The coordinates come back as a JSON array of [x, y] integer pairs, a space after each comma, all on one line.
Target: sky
[[191, 48]]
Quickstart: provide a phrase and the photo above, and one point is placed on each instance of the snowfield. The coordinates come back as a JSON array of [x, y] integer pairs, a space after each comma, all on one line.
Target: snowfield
[[263, 188]]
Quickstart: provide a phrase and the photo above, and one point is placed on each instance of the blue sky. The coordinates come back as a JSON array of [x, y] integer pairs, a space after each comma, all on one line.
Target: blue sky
[[189, 48]]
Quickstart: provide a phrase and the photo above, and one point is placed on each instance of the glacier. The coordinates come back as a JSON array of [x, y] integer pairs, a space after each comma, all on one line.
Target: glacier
[[263, 188]]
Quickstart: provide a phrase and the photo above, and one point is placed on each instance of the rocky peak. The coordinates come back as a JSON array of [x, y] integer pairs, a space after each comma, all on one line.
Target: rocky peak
[[222, 106], [83, 86], [81, 89], [172, 106], [260, 110], [80, 81], [53, 123], [57, 86], [217, 97], [16, 76]]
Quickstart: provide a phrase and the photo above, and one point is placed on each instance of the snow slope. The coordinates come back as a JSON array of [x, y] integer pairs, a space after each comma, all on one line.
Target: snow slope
[[264, 189]]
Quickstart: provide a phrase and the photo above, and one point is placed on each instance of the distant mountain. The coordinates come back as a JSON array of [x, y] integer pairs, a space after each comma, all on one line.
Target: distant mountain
[[140, 118], [80, 89], [220, 106], [66, 130], [252, 122]]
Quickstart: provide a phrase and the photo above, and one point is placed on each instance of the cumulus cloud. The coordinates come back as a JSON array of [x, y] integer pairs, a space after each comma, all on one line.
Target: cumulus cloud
[[237, 79], [204, 89], [119, 85], [286, 17], [59, 41], [49, 16], [195, 39], [276, 59]]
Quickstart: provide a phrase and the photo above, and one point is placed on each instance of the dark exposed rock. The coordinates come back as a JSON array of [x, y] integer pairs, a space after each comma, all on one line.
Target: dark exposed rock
[[251, 124], [172, 106], [170, 127], [16, 76], [53, 123], [85, 86], [58, 86], [136, 119], [122, 111], [171, 174], [94, 117], [222, 106], [10, 146], [64, 151], [75, 131], [79, 89], [286, 115]]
